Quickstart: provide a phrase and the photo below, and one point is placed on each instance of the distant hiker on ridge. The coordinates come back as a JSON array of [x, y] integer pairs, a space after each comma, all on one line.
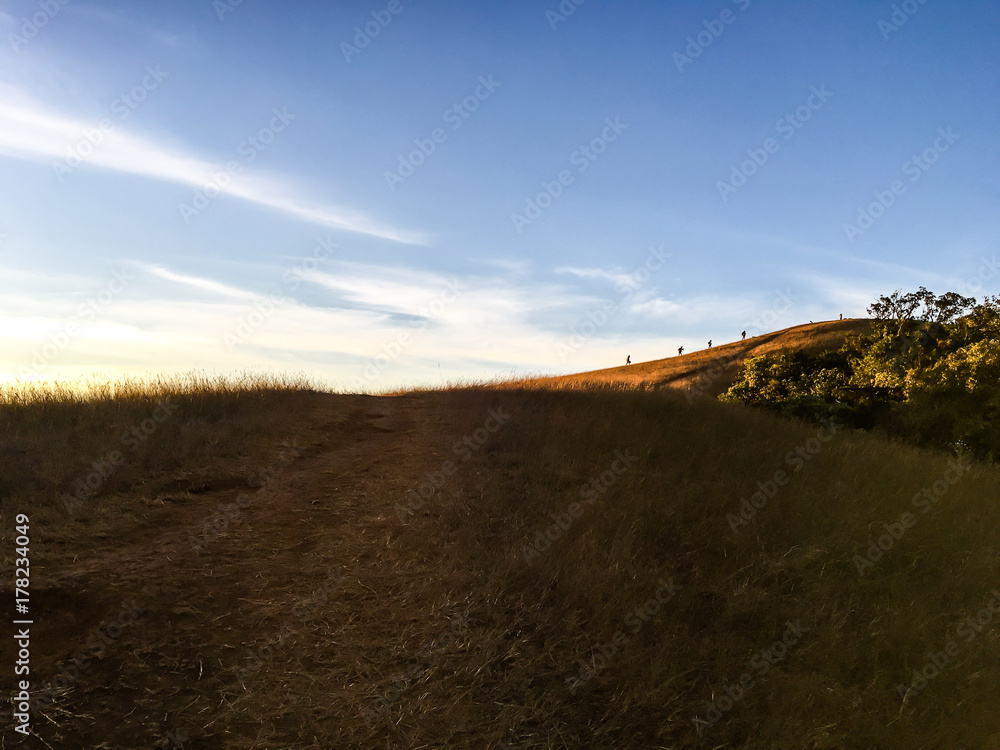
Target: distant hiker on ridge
[[680, 350], [744, 336], [628, 360], [710, 343]]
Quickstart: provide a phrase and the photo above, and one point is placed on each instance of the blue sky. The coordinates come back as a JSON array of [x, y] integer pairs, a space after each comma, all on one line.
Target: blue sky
[[478, 189]]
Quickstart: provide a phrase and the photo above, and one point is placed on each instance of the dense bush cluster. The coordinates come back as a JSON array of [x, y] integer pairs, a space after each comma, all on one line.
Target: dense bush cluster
[[929, 373]]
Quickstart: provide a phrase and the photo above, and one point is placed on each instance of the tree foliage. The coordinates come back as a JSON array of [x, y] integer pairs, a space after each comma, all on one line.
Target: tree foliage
[[928, 372], [921, 305]]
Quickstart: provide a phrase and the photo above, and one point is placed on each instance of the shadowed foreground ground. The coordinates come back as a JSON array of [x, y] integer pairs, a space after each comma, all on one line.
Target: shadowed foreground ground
[[501, 568]]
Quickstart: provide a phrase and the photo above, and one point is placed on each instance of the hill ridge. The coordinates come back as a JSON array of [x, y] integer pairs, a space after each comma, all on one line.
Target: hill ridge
[[711, 371]]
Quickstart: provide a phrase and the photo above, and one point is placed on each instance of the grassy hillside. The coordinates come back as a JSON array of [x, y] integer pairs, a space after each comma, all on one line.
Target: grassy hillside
[[503, 568], [711, 371]]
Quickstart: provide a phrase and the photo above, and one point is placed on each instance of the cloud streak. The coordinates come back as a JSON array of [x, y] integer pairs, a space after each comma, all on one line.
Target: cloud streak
[[615, 277], [199, 283], [29, 131]]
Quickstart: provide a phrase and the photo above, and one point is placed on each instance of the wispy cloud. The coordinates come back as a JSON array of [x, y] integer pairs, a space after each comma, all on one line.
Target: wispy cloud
[[615, 277], [199, 283], [30, 131], [392, 290]]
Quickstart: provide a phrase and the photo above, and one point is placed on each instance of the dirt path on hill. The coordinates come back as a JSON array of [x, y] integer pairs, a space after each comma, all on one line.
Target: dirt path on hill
[[306, 611]]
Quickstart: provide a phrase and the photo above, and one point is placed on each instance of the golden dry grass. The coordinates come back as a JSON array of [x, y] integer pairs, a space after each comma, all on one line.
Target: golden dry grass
[[335, 606]]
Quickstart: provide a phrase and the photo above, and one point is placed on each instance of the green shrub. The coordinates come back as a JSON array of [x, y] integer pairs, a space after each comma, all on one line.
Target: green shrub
[[928, 373]]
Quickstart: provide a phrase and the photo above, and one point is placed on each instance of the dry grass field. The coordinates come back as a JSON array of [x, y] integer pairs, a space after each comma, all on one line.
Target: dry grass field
[[594, 564]]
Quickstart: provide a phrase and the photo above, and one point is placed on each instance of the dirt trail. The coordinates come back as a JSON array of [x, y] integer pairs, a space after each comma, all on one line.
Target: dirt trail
[[306, 601], [504, 612]]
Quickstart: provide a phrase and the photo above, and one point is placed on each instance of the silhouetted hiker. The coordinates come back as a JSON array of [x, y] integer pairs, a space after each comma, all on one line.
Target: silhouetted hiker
[[680, 350], [628, 359], [710, 343], [842, 316], [744, 336]]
